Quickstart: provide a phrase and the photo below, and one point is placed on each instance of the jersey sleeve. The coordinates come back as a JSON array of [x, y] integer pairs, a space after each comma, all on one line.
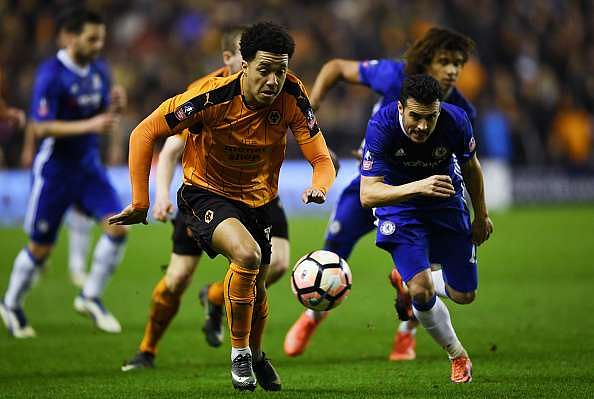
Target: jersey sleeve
[[375, 150], [46, 95], [467, 149], [303, 123], [381, 75]]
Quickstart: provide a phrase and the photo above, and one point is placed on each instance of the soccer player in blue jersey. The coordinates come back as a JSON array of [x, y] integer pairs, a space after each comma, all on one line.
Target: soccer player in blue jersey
[[440, 53], [419, 154], [70, 109]]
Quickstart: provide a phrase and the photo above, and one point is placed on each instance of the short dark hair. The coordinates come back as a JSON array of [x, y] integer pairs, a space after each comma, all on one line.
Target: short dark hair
[[419, 56], [229, 36], [73, 19], [422, 88], [266, 36]]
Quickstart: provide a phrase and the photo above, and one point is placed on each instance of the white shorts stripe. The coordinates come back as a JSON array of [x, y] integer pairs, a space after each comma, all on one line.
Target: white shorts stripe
[[42, 157]]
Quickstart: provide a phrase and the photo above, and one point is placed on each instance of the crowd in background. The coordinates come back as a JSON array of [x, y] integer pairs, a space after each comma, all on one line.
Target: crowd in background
[[531, 78]]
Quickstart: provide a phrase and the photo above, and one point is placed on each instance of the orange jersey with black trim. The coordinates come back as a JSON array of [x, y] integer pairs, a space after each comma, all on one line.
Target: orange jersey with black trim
[[233, 150]]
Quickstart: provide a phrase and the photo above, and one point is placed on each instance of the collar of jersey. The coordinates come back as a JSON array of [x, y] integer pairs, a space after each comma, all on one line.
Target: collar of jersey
[[71, 65]]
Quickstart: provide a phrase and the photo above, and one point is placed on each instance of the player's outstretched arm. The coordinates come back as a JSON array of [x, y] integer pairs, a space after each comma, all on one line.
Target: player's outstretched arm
[[168, 158], [324, 174], [375, 193], [102, 123], [482, 226], [332, 72]]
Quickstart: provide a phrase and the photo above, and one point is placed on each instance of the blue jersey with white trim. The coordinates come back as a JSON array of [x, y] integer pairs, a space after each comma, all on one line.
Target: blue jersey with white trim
[[385, 77], [390, 153], [64, 91]]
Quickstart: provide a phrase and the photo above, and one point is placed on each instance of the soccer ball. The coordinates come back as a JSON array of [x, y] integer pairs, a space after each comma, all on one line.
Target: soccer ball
[[321, 280]]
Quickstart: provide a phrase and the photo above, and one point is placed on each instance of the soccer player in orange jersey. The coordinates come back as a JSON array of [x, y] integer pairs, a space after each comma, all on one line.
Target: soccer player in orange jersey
[[232, 159]]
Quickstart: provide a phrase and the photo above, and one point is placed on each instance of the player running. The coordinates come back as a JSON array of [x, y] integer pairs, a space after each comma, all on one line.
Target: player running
[[440, 53], [70, 109], [186, 252], [231, 163], [419, 154]]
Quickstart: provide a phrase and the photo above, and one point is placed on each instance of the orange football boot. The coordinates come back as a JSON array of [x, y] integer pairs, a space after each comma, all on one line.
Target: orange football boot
[[461, 370], [404, 346], [403, 300], [300, 333]]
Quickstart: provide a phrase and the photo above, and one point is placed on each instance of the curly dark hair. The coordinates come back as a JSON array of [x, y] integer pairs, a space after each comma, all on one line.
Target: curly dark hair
[[266, 36], [419, 56], [422, 88], [73, 19]]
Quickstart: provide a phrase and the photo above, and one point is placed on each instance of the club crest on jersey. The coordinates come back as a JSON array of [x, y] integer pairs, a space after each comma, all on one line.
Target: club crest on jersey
[[367, 163], [184, 111], [471, 144], [387, 228], [43, 109], [274, 117], [208, 216], [440, 152]]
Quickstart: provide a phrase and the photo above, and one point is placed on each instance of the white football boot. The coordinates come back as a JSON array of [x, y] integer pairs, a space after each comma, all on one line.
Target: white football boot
[[16, 322], [93, 307]]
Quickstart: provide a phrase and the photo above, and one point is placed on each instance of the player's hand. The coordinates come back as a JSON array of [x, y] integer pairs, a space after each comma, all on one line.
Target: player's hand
[[439, 186], [118, 99], [162, 209], [482, 228], [129, 216], [312, 194], [15, 117], [103, 123]]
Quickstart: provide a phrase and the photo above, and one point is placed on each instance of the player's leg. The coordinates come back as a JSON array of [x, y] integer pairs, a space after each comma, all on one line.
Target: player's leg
[[219, 225], [47, 204], [348, 223], [458, 278], [165, 301], [99, 198], [79, 235]]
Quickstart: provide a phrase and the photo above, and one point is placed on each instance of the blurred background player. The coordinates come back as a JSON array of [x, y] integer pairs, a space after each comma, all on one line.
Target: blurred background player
[[419, 155], [232, 161], [14, 117], [69, 110], [78, 222], [441, 53], [186, 251]]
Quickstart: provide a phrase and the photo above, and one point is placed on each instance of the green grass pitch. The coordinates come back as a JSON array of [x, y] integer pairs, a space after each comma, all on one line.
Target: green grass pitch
[[530, 333]]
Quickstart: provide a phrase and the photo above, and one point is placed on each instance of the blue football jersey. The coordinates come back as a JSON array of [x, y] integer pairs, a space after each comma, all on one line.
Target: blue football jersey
[[390, 153], [385, 77], [65, 91]]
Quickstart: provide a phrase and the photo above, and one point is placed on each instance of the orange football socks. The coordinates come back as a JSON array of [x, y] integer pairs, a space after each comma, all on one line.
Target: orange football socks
[[164, 306], [240, 293], [216, 296]]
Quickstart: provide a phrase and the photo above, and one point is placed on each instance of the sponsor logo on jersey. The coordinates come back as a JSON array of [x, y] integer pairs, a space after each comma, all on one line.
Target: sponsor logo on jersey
[[387, 228], [274, 117], [184, 111]]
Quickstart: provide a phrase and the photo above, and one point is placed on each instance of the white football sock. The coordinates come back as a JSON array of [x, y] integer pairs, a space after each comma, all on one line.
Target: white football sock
[[108, 254], [438, 324], [315, 315], [79, 234], [23, 273], [240, 351], [439, 283], [407, 327]]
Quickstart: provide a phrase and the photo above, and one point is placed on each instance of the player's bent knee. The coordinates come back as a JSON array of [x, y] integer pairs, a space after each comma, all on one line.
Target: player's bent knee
[[40, 251], [462, 298], [247, 255]]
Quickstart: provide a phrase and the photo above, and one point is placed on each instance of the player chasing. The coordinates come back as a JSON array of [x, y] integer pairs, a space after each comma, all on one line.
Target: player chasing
[[186, 252], [231, 163], [440, 53], [419, 154], [70, 109]]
